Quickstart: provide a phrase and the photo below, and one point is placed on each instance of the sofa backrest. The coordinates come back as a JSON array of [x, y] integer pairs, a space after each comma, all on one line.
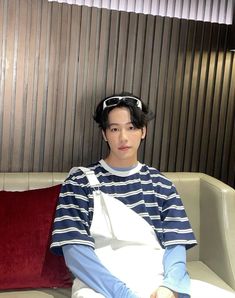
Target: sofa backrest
[[187, 184], [188, 187], [191, 187], [28, 181]]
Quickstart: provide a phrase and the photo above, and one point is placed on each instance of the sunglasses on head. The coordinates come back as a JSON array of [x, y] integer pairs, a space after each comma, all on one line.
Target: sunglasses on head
[[115, 100]]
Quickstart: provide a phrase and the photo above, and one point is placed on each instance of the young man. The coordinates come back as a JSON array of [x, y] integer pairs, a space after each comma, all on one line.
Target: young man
[[119, 221]]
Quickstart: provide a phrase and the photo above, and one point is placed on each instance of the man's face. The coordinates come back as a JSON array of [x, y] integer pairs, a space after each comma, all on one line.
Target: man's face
[[123, 138]]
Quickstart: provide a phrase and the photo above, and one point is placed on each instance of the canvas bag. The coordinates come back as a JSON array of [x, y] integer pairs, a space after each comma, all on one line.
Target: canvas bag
[[124, 242]]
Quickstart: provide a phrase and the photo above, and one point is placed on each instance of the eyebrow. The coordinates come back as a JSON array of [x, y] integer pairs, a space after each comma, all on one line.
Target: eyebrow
[[120, 123]]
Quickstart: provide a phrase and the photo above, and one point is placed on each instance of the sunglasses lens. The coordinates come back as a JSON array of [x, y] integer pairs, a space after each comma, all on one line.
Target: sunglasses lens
[[131, 100], [112, 101]]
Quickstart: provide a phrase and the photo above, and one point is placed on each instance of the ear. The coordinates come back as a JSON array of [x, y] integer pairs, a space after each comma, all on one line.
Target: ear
[[144, 131], [104, 136]]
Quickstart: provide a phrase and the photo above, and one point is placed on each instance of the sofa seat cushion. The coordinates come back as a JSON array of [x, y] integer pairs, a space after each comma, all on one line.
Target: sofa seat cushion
[[199, 271], [37, 293]]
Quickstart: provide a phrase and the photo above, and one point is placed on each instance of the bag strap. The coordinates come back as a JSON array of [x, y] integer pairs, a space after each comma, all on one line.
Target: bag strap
[[94, 182]]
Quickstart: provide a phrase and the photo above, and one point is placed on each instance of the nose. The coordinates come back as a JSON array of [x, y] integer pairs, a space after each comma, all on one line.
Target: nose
[[123, 135]]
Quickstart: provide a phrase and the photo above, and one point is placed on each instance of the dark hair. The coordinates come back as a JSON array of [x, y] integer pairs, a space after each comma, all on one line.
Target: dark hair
[[139, 117]]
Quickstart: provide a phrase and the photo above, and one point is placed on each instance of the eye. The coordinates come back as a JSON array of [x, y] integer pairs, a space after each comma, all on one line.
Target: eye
[[113, 129], [132, 127]]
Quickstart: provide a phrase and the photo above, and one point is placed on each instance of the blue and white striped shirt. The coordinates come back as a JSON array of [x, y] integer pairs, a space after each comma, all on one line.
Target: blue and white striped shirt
[[143, 189]]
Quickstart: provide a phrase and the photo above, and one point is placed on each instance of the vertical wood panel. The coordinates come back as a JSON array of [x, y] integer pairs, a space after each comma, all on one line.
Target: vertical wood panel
[[121, 51], [63, 70], [81, 83], [16, 113], [147, 65], [193, 96], [179, 84], [201, 95], [161, 95], [131, 52], [3, 15], [210, 84], [54, 52], [91, 83], [112, 55], [185, 100], [5, 74], [223, 114], [71, 92], [216, 100], [153, 88], [58, 61], [22, 87], [101, 80], [228, 170], [31, 69], [41, 86], [169, 94], [140, 45]]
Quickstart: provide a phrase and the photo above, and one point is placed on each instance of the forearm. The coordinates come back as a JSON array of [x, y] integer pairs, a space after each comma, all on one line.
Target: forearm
[[86, 266], [176, 277]]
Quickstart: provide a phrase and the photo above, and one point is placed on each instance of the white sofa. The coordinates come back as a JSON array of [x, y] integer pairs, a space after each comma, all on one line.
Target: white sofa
[[210, 205]]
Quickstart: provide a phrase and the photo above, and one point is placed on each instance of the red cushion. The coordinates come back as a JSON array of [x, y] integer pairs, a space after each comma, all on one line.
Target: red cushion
[[26, 220]]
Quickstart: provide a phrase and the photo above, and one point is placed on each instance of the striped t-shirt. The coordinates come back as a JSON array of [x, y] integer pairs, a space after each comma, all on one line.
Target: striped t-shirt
[[143, 189]]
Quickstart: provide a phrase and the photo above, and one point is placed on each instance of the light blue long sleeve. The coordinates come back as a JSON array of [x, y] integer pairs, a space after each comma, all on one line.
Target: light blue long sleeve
[[84, 264], [176, 277]]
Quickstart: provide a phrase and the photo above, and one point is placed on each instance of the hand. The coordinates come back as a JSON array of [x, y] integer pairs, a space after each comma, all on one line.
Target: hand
[[163, 292]]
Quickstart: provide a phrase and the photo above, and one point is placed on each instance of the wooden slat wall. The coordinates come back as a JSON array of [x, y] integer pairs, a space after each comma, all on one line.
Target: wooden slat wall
[[219, 11], [59, 60]]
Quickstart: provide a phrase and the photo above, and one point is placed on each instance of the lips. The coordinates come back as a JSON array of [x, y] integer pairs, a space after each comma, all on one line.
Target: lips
[[124, 148]]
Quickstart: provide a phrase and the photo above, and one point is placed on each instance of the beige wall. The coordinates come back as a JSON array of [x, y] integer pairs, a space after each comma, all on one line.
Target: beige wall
[[58, 61]]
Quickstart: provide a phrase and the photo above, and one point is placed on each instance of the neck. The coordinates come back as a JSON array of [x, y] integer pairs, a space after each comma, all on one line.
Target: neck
[[120, 163]]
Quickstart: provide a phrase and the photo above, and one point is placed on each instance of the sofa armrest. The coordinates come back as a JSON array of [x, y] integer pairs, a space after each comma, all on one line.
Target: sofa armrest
[[217, 227]]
